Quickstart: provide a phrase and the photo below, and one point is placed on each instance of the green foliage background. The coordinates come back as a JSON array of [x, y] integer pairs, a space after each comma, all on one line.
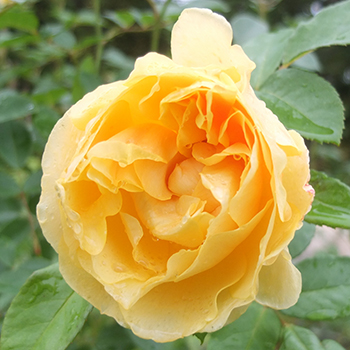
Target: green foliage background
[[54, 52]]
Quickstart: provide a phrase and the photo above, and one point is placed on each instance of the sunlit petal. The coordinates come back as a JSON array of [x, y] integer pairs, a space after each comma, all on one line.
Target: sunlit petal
[[200, 38]]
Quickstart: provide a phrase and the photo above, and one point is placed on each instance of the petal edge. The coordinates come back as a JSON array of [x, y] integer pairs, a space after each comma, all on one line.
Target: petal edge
[[200, 38]]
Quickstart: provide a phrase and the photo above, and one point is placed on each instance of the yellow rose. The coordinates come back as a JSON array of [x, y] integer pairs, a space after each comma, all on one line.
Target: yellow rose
[[171, 197]]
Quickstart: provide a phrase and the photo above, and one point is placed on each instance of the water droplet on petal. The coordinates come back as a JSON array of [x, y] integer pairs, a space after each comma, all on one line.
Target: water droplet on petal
[[73, 215], [119, 268], [77, 228], [42, 212]]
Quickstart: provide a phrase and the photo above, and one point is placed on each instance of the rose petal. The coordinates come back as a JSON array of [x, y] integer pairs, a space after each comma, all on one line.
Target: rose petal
[[222, 239], [110, 175], [223, 180], [86, 209], [200, 38], [179, 220], [58, 153], [185, 177], [251, 196], [179, 309], [87, 286], [94, 104], [153, 177], [279, 283]]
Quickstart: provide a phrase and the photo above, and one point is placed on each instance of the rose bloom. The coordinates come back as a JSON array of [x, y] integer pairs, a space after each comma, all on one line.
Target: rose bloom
[[171, 197]]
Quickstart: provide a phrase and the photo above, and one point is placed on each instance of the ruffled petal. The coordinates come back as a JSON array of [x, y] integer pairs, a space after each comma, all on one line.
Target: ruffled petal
[[94, 104], [86, 210], [252, 195], [174, 310], [181, 220], [223, 238]]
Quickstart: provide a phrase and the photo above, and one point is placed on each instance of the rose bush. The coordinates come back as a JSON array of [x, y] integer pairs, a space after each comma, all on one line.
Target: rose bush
[[171, 197]]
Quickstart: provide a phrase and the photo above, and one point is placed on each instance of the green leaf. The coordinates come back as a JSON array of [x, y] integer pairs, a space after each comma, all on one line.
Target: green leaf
[[330, 26], [46, 314], [123, 19], [147, 344], [330, 344], [304, 102], [15, 143], [143, 18], [308, 62], [49, 30], [65, 39], [84, 82], [88, 65], [298, 338], [247, 27], [147, 19], [326, 289], [266, 51], [14, 106], [10, 74], [302, 239], [9, 39], [19, 18], [118, 59], [16, 245], [32, 184], [175, 8], [258, 329], [10, 209], [85, 17], [11, 281], [8, 186], [201, 336], [215, 5], [45, 119], [331, 205], [47, 91]]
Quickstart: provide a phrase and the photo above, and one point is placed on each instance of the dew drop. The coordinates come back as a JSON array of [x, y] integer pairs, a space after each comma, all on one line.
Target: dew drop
[[42, 212], [47, 162], [77, 228], [119, 268], [142, 262], [74, 216], [121, 285]]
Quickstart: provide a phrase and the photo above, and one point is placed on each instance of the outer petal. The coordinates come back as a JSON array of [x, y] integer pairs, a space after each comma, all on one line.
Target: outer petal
[[58, 153], [200, 38], [87, 286], [279, 283], [61, 148], [174, 310], [94, 103]]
